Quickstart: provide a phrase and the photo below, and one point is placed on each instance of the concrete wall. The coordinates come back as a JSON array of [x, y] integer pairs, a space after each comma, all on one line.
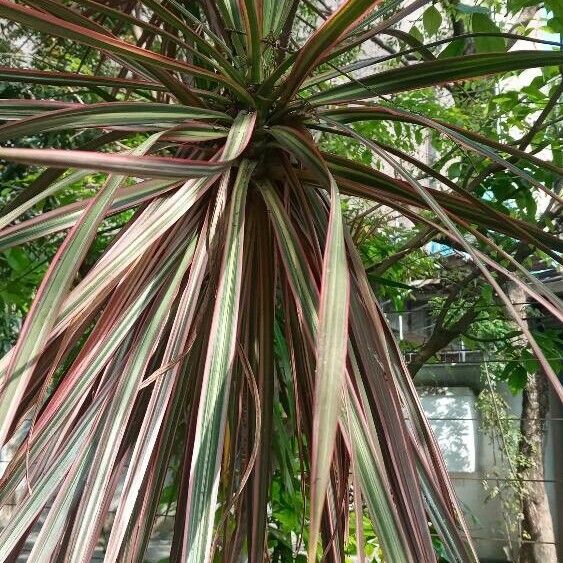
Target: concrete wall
[[449, 392]]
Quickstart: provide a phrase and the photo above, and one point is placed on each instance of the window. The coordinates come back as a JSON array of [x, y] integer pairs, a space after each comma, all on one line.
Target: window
[[451, 411]]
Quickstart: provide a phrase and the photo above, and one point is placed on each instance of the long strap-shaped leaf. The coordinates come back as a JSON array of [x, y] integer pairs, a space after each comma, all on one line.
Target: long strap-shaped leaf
[[33, 76], [436, 72], [251, 12], [55, 187], [50, 296], [456, 235], [122, 164], [332, 334], [331, 355], [47, 177], [17, 109], [161, 394], [57, 26], [347, 15], [89, 520], [66, 216], [106, 115], [207, 445], [306, 296]]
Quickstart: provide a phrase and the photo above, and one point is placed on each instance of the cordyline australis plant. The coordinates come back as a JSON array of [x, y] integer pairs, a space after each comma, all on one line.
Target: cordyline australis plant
[[233, 279]]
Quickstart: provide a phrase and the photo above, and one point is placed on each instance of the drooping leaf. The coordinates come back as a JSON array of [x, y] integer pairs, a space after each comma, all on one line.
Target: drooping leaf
[[107, 115], [50, 297], [82, 541], [433, 73], [215, 392]]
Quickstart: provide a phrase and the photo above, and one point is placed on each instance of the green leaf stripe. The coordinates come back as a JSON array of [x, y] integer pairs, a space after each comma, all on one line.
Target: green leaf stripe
[[50, 296], [432, 73], [207, 445], [107, 115]]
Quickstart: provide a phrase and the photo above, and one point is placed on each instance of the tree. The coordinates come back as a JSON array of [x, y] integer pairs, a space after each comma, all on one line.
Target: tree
[[233, 283]]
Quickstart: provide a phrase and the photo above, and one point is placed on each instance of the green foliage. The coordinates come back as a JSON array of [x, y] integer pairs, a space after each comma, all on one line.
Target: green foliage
[[521, 362], [482, 23], [382, 244], [498, 423], [372, 547], [432, 20]]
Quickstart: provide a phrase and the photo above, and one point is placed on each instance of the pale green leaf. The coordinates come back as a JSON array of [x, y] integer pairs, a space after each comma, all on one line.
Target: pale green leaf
[[432, 20]]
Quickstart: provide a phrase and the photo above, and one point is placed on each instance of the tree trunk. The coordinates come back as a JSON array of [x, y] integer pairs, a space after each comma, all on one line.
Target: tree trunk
[[537, 526], [536, 533]]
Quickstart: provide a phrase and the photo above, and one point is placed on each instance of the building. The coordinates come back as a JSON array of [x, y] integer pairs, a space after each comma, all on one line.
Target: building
[[450, 390]]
